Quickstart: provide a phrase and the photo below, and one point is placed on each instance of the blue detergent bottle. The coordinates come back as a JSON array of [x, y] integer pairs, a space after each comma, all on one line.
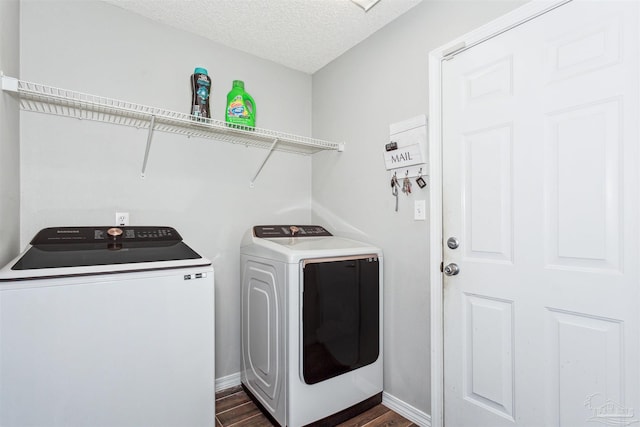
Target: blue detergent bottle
[[200, 91]]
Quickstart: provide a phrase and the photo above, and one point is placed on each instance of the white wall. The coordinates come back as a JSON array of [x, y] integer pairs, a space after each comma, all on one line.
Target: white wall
[[9, 133], [79, 172], [383, 80]]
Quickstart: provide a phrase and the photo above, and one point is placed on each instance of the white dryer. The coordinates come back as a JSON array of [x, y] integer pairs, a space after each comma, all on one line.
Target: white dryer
[[311, 324]]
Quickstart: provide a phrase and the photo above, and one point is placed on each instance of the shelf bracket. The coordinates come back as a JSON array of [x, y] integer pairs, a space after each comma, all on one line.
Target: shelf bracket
[[9, 84], [253, 180], [146, 151]]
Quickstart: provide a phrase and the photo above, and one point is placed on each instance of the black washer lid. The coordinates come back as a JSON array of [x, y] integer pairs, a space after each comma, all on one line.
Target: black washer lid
[[67, 238], [59, 247]]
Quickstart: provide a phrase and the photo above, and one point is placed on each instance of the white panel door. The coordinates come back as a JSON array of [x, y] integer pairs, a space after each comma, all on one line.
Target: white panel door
[[540, 188]]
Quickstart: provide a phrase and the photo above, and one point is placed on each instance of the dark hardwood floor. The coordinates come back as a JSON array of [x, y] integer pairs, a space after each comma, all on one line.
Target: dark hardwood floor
[[235, 408]]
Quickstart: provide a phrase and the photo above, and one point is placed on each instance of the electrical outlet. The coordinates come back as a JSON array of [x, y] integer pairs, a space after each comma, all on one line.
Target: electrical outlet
[[122, 218], [419, 210]]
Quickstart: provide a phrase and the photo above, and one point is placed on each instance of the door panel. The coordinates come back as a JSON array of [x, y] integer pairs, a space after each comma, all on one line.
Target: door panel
[[540, 187], [488, 369], [487, 158], [579, 344], [584, 203]]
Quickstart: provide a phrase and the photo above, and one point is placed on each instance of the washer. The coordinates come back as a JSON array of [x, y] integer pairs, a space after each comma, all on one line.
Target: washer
[[311, 324], [105, 327]]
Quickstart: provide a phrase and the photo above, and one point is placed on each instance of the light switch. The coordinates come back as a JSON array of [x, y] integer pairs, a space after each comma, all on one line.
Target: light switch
[[419, 210]]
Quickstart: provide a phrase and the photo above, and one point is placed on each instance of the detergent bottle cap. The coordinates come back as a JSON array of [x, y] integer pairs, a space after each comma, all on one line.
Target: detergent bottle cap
[[200, 70], [238, 83]]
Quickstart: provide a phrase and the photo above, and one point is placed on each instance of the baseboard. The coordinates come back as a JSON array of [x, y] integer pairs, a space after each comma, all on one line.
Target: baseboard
[[228, 381], [409, 412]]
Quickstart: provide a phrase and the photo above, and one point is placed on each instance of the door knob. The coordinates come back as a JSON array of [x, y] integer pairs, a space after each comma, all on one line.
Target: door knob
[[451, 269]]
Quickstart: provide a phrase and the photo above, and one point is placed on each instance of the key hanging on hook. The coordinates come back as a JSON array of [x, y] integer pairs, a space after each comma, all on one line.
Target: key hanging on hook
[[394, 188], [420, 181], [406, 184]]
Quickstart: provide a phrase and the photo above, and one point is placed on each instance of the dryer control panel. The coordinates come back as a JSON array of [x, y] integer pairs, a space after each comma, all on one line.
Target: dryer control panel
[[271, 231]]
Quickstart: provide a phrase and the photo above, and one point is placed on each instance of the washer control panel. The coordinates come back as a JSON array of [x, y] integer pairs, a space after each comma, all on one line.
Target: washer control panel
[[75, 235], [271, 231]]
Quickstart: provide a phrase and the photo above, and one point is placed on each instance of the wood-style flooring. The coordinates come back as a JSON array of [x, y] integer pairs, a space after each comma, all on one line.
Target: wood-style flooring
[[235, 408]]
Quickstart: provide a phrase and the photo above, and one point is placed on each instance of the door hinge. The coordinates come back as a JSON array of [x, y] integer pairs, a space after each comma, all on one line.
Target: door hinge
[[441, 267]]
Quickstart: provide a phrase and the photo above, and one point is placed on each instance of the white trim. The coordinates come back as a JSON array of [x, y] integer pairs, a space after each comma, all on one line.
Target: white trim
[[435, 243], [414, 415], [454, 49], [229, 381], [498, 26]]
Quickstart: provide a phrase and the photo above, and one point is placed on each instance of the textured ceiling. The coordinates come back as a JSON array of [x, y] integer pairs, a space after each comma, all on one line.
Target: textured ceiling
[[301, 34]]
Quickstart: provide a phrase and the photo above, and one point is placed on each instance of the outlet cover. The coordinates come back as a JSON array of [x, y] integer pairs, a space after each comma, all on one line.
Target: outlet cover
[[122, 218]]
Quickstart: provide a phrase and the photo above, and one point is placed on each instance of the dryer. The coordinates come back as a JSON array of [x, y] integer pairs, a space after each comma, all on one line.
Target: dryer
[[311, 324]]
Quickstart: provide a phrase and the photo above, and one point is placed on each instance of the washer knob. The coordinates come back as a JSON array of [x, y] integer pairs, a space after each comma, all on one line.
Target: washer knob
[[294, 230], [114, 232]]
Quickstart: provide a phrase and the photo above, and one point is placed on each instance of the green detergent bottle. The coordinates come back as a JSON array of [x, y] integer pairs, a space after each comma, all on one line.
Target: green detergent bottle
[[241, 110]]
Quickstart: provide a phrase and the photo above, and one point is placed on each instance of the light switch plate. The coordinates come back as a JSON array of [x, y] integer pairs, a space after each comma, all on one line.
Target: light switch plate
[[419, 210]]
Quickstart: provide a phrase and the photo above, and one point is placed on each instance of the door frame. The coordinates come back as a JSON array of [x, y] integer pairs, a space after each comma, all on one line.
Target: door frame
[[496, 27]]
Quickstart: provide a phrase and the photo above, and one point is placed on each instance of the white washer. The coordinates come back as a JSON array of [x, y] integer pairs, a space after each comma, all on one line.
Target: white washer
[[107, 327], [311, 324]]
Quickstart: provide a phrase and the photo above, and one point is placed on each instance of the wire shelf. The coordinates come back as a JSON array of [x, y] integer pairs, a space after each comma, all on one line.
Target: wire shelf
[[40, 98]]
